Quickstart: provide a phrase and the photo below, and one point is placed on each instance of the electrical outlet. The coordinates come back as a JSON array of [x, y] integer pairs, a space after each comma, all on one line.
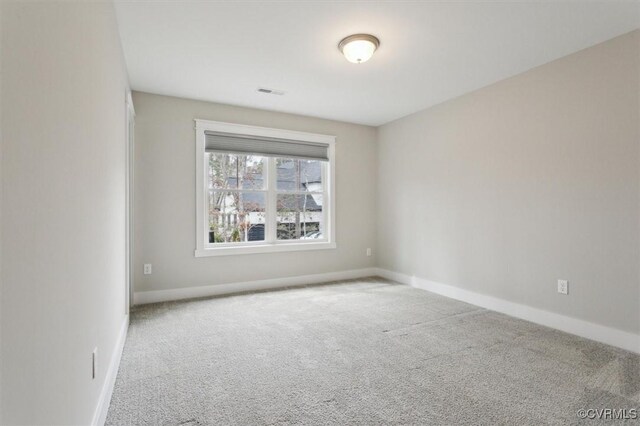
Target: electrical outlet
[[94, 363], [563, 286], [368, 252], [147, 269]]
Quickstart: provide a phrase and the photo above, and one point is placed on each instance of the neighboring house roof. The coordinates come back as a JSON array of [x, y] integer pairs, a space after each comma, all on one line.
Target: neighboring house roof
[[254, 201], [310, 173]]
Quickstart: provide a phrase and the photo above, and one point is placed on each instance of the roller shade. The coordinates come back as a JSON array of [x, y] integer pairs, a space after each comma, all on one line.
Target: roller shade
[[270, 147]]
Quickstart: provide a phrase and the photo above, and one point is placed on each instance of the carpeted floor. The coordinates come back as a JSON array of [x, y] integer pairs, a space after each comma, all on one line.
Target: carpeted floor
[[359, 352]]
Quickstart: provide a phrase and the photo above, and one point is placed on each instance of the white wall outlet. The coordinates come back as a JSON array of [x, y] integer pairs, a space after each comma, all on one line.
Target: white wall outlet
[[368, 252], [94, 363], [563, 286], [147, 269]]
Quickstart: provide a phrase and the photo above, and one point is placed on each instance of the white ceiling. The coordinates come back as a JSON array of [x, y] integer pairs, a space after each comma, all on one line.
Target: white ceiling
[[222, 51]]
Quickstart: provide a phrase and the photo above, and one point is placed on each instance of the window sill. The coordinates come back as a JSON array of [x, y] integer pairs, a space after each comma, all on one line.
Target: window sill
[[266, 248]]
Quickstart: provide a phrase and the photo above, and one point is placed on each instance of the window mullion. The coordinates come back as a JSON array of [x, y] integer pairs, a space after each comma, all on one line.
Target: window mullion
[[272, 179]]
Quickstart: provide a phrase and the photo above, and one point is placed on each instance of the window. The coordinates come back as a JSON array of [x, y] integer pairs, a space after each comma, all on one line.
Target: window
[[262, 190]]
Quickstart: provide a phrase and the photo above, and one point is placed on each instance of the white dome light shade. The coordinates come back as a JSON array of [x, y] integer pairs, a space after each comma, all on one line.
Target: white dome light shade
[[358, 48]]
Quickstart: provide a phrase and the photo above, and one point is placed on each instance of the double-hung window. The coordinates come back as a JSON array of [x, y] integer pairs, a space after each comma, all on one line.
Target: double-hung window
[[262, 190]]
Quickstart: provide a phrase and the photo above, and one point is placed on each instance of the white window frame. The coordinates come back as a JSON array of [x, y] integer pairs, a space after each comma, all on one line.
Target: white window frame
[[271, 244]]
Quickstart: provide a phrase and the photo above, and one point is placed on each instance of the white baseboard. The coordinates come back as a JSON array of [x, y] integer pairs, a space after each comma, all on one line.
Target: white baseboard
[[589, 330], [143, 297], [100, 414]]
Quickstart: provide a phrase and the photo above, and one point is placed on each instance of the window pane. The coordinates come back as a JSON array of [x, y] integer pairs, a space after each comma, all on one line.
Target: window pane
[[299, 175], [231, 171], [299, 216], [236, 216]]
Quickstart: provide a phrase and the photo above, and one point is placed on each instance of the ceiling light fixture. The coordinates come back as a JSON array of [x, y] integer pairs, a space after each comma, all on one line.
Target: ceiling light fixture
[[358, 48]]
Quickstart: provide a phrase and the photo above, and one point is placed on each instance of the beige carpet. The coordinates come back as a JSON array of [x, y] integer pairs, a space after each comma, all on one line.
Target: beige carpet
[[359, 352]]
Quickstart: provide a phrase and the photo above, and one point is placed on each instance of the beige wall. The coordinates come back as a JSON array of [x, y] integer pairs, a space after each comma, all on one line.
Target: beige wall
[[165, 197], [63, 217], [536, 178]]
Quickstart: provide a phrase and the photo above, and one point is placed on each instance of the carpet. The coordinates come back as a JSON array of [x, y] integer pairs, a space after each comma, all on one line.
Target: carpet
[[357, 352]]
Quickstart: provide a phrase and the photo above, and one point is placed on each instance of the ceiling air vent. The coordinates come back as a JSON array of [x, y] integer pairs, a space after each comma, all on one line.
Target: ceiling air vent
[[270, 91]]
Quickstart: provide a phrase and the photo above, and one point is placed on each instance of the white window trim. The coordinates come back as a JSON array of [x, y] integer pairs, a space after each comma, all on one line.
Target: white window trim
[[203, 248]]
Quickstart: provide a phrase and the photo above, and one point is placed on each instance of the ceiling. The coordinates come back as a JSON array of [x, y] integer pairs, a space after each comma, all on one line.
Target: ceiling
[[222, 51]]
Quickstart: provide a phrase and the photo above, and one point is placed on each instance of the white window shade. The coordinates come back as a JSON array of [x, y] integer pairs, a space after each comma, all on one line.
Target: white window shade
[[266, 146]]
